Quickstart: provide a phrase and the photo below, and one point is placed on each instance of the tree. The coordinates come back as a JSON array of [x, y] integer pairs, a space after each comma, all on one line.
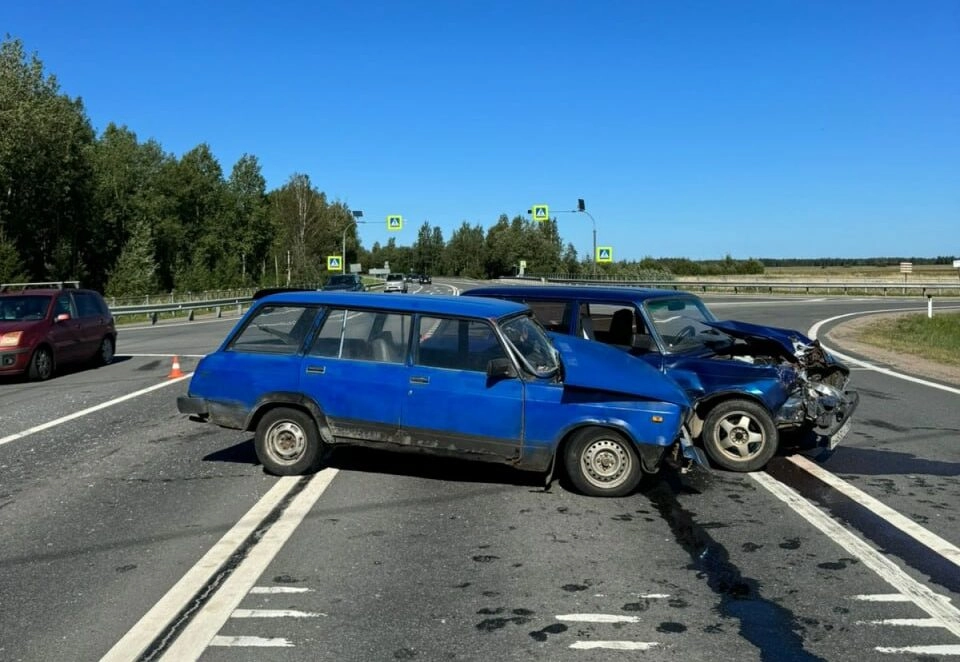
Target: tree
[[464, 254], [136, 270]]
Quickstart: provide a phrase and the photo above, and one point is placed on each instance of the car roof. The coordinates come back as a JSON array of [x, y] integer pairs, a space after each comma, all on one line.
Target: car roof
[[410, 303], [595, 293]]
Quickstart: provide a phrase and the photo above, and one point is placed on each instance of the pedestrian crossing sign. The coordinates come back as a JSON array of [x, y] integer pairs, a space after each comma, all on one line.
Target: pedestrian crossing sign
[[604, 254], [334, 263], [541, 213], [395, 222]]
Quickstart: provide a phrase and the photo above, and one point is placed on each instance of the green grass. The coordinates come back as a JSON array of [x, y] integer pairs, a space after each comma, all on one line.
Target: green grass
[[937, 338]]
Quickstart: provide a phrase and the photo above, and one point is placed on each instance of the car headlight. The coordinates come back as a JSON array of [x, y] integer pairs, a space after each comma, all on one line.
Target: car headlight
[[10, 339]]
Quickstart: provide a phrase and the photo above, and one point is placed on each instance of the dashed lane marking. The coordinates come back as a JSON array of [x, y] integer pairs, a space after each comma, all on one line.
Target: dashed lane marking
[[598, 618], [948, 649], [615, 645], [908, 622], [280, 589], [255, 642], [274, 613]]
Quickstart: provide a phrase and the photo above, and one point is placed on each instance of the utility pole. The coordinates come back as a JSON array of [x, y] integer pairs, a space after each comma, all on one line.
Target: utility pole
[[582, 207], [357, 214]]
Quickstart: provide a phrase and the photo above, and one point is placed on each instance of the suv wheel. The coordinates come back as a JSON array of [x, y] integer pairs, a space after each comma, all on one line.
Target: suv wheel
[[41, 364], [739, 435], [288, 442]]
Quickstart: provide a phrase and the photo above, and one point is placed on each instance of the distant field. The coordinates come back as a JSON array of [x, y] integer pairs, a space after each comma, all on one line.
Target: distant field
[[937, 339], [920, 272]]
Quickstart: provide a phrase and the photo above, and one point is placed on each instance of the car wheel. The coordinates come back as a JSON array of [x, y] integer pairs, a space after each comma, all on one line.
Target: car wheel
[[739, 435], [41, 364], [105, 353], [288, 442], [601, 462]]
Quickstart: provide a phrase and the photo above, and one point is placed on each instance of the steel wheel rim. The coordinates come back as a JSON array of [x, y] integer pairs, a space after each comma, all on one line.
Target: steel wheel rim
[[739, 436], [606, 464], [286, 442]]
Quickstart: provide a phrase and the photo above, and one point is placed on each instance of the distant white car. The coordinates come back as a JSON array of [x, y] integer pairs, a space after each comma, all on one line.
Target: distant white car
[[395, 283]]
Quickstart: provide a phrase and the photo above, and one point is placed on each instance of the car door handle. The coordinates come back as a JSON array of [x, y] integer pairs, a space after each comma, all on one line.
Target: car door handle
[[419, 380], [316, 369]]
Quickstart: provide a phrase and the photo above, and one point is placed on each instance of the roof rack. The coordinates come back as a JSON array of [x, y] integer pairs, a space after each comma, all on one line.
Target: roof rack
[[49, 285]]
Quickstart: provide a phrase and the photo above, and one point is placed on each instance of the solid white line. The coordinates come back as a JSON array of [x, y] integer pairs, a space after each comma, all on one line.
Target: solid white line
[[259, 642], [274, 613], [89, 410], [280, 589], [598, 618], [908, 622], [208, 621], [160, 356], [812, 333], [148, 628], [930, 602], [908, 526], [949, 649], [882, 597], [616, 645]]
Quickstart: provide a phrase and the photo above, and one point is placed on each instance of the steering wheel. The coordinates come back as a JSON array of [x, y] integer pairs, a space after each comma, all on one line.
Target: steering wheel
[[686, 332]]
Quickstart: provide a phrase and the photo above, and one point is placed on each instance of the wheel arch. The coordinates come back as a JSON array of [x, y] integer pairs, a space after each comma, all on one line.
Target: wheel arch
[[649, 454], [703, 406], [291, 400]]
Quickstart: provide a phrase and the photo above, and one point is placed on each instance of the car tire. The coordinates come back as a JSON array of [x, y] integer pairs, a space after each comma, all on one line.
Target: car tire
[[105, 352], [41, 365], [601, 462], [739, 435], [288, 442]]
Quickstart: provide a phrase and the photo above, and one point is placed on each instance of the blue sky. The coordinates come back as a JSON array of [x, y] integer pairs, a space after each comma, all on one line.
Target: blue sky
[[772, 128]]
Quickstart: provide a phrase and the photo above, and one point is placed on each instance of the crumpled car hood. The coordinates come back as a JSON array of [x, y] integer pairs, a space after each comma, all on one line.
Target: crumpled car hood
[[790, 339], [593, 365]]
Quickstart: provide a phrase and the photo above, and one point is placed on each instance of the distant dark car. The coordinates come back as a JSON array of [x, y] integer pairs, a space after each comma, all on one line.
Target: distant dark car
[[344, 283], [747, 381], [472, 378], [425, 279], [46, 325], [410, 278]]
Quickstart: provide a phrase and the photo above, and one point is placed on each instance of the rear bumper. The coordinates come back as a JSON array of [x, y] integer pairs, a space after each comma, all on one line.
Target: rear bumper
[[187, 404]]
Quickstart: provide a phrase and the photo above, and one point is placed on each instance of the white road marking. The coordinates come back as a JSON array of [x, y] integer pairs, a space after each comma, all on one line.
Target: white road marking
[[920, 595], [655, 595], [616, 645], [274, 613], [882, 597], [812, 333], [598, 618], [949, 649], [280, 589], [148, 628], [208, 621], [258, 642], [160, 356], [908, 526], [89, 410], [909, 622]]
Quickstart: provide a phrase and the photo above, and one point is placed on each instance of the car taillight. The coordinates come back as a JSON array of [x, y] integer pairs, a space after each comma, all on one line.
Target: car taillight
[[11, 339]]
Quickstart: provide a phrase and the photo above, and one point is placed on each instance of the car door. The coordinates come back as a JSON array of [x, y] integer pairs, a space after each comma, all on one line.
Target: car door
[[356, 371], [65, 334], [94, 322], [450, 403]]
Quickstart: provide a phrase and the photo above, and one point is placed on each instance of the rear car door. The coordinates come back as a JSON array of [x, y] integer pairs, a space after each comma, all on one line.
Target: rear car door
[[450, 403], [94, 322]]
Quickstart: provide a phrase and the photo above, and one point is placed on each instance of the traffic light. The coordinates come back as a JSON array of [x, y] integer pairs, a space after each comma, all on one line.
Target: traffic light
[[581, 206]]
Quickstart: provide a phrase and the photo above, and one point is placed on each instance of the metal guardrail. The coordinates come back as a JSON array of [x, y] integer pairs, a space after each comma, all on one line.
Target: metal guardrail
[[770, 286], [153, 311]]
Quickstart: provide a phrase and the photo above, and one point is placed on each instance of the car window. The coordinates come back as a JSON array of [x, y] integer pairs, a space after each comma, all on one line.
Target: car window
[[87, 304], [457, 344], [23, 308], [65, 305], [363, 335], [275, 329], [395, 277], [554, 315], [680, 321], [613, 323], [531, 345]]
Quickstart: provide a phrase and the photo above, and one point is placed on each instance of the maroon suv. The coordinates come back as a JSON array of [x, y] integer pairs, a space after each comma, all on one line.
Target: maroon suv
[[46, 325]]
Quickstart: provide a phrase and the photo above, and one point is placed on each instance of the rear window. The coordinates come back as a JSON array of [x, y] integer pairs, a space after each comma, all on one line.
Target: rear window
[[395, 277]]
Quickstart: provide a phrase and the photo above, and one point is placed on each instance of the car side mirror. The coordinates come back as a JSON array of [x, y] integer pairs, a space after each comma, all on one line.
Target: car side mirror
[[500, 368], [63, 317]]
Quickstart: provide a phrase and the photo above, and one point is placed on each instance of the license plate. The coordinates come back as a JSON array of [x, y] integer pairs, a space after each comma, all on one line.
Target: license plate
[[838, 436]]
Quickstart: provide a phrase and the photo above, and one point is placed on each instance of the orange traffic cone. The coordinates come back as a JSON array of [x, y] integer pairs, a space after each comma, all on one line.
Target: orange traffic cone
[[175, 371]]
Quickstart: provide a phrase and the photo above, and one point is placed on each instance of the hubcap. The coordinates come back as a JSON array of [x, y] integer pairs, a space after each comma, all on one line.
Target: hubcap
[[606, 463], [286, 442], [44, 364], [740, 436]]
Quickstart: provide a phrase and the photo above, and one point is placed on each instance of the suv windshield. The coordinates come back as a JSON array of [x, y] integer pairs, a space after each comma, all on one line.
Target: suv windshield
[[23, 308], [680, 322], [531, 345]]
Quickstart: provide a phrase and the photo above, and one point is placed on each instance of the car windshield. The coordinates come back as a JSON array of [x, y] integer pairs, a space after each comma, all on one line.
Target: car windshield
[[24, 308], [680, 322], [531, 345], [395, 277]]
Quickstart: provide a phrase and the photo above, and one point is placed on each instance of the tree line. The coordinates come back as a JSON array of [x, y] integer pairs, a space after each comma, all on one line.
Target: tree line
[[124, 216]]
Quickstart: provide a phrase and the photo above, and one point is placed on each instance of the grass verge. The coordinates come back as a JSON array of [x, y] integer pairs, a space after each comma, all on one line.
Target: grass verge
[[936, 338]]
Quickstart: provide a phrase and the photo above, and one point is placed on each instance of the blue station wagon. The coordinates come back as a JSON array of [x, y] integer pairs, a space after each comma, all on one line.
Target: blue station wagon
[[747, 382], [474, 378]]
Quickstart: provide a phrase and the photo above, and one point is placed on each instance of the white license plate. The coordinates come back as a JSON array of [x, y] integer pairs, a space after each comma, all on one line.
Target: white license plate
[[838, 436]]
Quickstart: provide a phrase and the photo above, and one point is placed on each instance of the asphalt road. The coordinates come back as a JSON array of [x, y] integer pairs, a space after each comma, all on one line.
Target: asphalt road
[[397, 557]]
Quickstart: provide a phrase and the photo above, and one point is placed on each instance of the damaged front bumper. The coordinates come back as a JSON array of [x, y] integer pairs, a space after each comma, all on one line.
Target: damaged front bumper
[[824, 408]]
